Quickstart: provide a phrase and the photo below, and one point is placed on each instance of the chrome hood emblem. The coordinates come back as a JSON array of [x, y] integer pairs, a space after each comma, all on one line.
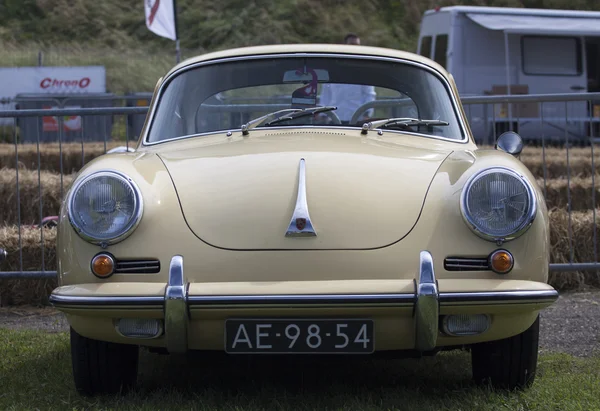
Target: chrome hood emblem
[[301, 226]]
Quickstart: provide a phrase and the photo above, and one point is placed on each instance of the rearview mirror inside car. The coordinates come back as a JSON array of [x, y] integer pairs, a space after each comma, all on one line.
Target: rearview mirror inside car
[[305, 75]]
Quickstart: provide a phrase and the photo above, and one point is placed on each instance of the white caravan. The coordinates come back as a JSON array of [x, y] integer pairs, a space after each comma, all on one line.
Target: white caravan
[[500, 51]]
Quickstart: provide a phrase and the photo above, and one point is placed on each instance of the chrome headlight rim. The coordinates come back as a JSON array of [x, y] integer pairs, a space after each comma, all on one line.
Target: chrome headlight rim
[[129, 228], [527, 221]]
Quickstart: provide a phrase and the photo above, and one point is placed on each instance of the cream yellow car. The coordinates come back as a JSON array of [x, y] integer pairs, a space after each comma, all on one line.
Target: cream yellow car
[[305, 199]]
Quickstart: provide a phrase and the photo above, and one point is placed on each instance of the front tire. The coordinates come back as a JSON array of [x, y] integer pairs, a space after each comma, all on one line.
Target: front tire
[[101, 367], [510, 363]]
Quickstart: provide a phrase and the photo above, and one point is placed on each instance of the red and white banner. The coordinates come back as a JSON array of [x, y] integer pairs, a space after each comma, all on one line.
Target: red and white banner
[[160, 18], [70, 123]]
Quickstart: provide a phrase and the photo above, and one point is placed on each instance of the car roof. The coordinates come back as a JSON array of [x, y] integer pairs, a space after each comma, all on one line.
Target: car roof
[[311, 48]]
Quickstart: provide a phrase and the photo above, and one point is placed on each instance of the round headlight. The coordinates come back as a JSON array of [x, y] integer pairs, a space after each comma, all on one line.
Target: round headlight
[[498, 204], [105, 207]]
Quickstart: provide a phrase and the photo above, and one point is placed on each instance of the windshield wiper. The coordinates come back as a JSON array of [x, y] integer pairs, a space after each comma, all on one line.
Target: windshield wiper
[[302, 113], [292, 114], [403, 122], [258, 121]]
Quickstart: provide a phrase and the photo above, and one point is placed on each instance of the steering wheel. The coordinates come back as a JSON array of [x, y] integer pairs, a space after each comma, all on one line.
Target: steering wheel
[[334, 117], [355, 117]]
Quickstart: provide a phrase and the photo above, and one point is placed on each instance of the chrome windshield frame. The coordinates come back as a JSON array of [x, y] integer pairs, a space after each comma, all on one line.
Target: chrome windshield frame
[[453, 98]]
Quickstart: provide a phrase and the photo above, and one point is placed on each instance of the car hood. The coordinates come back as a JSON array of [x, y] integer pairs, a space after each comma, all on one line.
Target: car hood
[[361, 192]]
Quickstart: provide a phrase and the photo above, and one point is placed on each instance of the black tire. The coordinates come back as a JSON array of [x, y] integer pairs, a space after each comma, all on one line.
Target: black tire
[[101, 367], [510, 363]]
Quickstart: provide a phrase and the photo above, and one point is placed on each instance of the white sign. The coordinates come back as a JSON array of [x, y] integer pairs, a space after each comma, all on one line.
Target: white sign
[[52, 80], [160, 18]]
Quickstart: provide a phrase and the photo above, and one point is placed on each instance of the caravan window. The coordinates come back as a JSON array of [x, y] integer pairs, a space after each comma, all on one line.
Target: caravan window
[[441, 47], [426, 46], [556, 56]]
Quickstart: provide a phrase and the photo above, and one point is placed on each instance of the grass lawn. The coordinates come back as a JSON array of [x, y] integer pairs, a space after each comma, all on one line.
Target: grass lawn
[[35, 373]]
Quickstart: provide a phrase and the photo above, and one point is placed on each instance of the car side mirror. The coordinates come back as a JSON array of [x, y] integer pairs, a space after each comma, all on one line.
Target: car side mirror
[[510, 142]]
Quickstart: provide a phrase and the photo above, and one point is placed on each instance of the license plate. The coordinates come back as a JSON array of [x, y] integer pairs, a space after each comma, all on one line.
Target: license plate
[[298, 336]]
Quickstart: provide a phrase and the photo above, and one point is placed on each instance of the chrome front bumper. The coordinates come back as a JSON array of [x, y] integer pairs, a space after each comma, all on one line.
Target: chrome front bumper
[[425, 301]]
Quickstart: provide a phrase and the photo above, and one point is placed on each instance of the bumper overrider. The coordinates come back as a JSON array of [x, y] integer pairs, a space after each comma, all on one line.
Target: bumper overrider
[[425, 302]]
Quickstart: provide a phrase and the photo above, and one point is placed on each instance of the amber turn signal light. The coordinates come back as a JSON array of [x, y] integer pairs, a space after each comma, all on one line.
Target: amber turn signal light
[[103, 265], [501, 261]]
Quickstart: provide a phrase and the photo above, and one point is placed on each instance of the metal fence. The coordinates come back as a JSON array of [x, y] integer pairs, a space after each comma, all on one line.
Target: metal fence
[[570, 118], [570, 121], [67, 162], [42, 170], [75, 127]]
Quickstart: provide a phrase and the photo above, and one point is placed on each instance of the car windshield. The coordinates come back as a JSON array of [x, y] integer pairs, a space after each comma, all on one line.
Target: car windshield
[[225, 95]]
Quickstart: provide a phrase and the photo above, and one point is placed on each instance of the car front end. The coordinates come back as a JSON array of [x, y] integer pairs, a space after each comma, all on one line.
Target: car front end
[[305, 239]]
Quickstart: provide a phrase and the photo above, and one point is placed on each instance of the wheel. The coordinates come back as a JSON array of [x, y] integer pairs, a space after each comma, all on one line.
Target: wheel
[[509, 363], [101, 367]]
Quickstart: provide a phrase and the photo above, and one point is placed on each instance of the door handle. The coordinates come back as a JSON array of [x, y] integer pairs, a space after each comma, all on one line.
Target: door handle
[[577, 88]]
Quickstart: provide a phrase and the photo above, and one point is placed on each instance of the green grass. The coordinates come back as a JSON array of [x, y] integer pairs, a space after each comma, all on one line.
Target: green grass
[[113, 33], [35, 373], [126, 70]]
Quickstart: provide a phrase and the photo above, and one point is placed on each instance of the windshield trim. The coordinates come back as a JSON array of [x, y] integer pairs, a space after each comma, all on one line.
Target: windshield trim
[[465, 135], [309, 127]]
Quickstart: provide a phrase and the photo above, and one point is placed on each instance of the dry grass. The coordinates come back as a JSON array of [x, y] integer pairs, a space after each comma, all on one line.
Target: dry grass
[[36, 292], [557, 193], [554, 150], [579, 162], [49, 159], [556, 166], [29, 195], [582, 239], [556, 158], [15, 292]]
